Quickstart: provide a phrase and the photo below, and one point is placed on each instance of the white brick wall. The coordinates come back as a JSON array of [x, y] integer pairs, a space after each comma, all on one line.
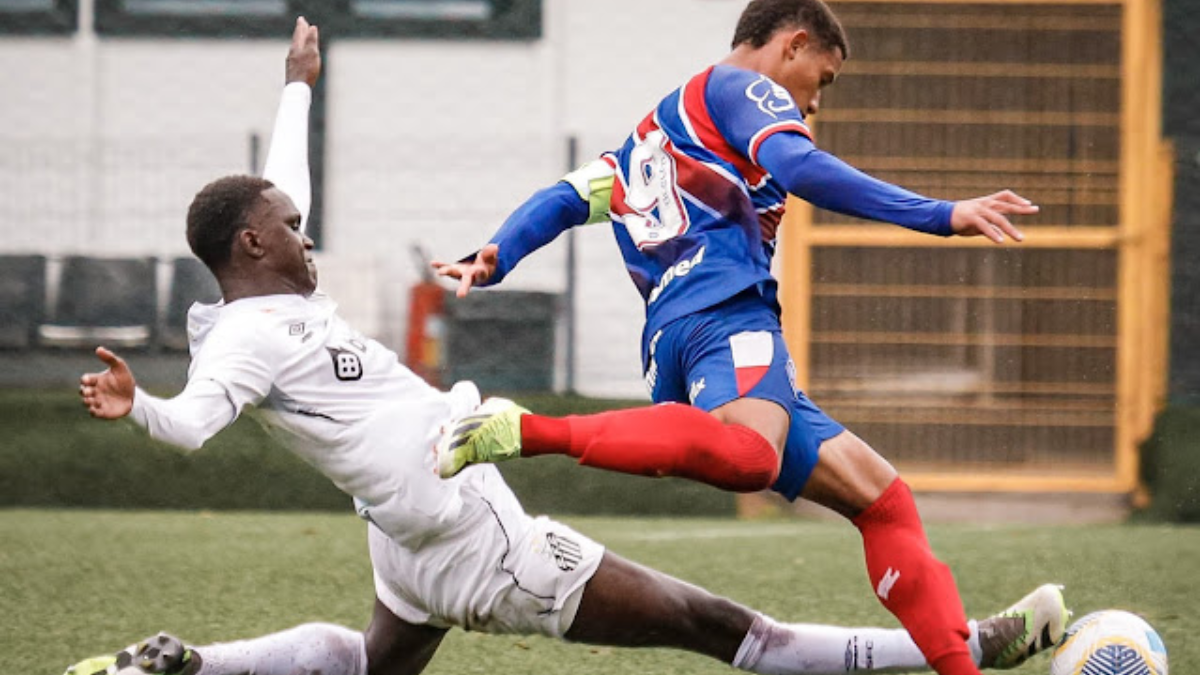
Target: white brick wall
[[429, 143]]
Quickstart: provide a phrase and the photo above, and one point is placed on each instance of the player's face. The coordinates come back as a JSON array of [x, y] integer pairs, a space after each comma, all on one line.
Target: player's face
[[288, 251], [812, 68]]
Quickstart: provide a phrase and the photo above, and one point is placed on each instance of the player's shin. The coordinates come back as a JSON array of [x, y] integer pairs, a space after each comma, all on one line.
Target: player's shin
[[913, 584], [310, 649], [772, 648]]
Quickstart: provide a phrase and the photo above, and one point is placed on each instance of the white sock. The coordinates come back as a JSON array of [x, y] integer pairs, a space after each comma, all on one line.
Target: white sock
[[308, 649], [772, 648]]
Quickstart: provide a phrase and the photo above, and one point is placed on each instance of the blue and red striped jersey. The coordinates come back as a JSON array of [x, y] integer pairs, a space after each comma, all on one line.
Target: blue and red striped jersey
[[694, 213]]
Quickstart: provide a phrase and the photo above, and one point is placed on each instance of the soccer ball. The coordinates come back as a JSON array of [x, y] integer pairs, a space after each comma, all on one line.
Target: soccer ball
[[1110, 642]]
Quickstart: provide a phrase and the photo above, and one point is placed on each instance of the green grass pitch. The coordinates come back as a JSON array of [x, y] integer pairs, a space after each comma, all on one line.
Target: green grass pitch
[[74, 583]]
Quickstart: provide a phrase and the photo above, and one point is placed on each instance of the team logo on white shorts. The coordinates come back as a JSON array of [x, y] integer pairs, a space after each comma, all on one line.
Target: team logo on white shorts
[[566, 552]]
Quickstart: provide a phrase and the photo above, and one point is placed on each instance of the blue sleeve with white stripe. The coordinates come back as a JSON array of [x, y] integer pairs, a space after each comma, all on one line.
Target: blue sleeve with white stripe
[[747, 106], [826, 181]]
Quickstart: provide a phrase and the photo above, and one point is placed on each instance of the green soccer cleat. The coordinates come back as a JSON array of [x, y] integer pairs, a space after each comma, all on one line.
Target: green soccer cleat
[[159, 655], [1035, 623], [97, 665], [492, 433]]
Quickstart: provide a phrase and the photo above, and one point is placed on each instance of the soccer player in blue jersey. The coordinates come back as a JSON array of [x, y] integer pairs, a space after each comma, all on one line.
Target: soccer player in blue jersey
[[695, 195]]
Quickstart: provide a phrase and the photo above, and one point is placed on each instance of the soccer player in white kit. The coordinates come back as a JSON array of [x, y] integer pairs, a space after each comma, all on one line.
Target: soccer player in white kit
[[458, 552]]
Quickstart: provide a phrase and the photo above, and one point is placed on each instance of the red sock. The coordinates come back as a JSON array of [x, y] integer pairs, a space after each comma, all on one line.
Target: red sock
[[913, 584], [670, 439]]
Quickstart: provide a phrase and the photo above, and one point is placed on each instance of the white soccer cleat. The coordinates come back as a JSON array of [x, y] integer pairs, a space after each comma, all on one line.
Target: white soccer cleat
[[1035, 623]]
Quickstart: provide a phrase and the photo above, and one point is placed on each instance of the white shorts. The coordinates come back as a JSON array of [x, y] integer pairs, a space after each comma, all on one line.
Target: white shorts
[[502, 571]]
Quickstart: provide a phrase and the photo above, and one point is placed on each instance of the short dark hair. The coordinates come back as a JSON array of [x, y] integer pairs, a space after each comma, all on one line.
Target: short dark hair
[[762, 18], [218, 213]]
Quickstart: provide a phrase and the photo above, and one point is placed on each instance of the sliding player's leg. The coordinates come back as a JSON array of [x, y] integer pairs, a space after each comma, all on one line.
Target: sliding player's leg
[[397, 647], [309, 648], [628, 605]]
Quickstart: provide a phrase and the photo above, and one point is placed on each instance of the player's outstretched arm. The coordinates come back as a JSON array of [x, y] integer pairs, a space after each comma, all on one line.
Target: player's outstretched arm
[[987, 216], [109, 394], [472, 271], [287, 156], [826, 181], [545, 215], [186, 421]]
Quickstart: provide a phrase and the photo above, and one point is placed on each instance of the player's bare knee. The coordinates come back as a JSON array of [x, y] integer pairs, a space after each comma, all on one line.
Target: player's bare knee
[[849, 475], [323, 644]]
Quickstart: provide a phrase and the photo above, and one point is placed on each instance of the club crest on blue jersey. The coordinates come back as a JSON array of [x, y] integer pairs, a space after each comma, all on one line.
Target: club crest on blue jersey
[[771, 98]]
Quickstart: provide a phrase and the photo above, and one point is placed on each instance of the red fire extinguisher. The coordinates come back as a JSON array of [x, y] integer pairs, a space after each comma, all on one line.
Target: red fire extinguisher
[[426, 322]]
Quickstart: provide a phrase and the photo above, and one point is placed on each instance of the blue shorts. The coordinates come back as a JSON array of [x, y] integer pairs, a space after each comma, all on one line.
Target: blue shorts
[[736, 350]]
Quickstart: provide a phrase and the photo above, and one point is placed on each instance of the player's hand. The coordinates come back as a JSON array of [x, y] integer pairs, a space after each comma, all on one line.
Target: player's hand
[[987, 216], [304, 56], [471, 273], [108, 395]]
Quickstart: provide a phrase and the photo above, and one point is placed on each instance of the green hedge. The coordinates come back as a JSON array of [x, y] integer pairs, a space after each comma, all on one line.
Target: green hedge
[[1171, 466], [56, 456]]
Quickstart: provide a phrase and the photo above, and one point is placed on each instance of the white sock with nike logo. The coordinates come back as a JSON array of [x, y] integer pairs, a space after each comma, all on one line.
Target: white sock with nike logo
[[773, 648]]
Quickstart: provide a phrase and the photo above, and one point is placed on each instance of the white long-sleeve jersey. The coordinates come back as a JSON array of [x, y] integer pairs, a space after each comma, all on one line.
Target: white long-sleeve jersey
[[338, 399]]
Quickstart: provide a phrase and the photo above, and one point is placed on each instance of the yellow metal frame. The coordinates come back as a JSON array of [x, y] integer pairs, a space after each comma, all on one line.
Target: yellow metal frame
[[1141, 240]]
